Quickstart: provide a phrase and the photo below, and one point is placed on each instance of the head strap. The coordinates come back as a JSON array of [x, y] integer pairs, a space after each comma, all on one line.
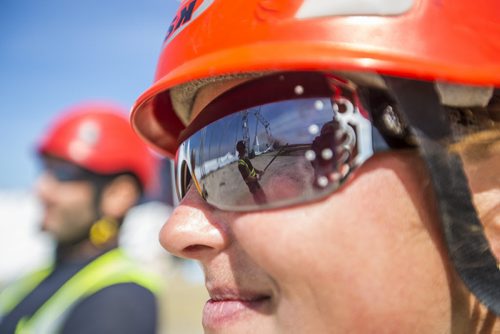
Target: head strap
[[467, 245]]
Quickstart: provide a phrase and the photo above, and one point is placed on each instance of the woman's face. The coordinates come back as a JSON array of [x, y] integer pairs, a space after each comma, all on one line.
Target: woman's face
[[366, 259]]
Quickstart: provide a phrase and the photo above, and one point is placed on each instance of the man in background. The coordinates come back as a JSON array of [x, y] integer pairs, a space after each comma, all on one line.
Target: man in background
[[95, 170]]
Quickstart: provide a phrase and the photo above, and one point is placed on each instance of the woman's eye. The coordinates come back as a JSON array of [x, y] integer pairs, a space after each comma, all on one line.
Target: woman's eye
[[189, 184]]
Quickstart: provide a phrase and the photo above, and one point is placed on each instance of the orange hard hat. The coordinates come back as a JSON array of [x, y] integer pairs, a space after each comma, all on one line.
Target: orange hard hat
[[445, 40], [98, 137]]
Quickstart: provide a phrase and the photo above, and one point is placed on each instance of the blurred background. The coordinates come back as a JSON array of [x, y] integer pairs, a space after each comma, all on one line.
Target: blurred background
[[54, 54]]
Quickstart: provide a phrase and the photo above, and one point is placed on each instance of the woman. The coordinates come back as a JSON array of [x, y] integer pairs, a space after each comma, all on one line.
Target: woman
[[385, 239]]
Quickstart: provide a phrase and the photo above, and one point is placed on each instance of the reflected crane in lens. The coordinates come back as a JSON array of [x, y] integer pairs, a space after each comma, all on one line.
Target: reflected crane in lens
[[246, 132]]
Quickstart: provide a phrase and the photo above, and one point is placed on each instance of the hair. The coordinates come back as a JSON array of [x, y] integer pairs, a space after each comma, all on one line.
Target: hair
[[477, 130], [240, 146], [477, 141], [479, 146]]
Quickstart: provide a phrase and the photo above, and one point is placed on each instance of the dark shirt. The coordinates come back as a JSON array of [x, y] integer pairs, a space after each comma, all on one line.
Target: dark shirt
[[121, 308]]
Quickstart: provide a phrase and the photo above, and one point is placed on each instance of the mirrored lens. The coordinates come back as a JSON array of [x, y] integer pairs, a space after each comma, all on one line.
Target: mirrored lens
[[276, 154]]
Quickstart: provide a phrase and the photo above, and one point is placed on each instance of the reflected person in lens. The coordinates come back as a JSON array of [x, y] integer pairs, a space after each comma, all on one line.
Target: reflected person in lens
[[250, 174]]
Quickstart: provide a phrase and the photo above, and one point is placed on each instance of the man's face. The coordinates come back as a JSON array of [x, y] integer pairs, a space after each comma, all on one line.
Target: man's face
[[68, 206], [366, 259]]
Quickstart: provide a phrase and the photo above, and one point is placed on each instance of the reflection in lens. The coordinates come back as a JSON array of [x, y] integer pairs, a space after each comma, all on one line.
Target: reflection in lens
[[275, 154]]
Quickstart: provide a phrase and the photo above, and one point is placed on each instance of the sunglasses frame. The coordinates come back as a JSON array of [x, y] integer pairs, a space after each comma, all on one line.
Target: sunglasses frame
[[275, 88]]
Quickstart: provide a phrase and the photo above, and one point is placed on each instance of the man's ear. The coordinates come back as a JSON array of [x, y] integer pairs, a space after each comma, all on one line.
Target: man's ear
[[119, 196]]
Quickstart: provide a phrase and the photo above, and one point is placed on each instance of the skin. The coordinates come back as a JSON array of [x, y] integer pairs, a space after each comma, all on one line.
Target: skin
[[349, 263], [69, 209]]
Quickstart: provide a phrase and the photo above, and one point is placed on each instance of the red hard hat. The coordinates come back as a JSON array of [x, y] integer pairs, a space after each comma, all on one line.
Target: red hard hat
[[447, 40], [98, 137]]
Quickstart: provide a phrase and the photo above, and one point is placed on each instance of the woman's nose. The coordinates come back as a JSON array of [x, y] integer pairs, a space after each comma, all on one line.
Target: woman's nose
[[193, 230]]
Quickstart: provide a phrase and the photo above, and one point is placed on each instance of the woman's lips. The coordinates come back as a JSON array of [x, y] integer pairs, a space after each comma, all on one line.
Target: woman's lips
[[220, 310]]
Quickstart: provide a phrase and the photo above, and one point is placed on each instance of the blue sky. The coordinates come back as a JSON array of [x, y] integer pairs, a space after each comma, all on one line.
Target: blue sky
[[55, 53]]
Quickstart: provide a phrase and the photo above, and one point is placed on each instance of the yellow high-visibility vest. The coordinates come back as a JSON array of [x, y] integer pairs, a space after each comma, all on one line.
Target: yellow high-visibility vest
[[252, 171], [111, 268]]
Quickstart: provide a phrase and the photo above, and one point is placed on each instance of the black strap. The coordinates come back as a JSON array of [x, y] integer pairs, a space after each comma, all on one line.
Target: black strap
[[467, 245]]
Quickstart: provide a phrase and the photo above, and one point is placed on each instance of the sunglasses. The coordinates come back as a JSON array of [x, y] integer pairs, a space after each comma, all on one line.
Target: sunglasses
[[64, 171], [280, 140]]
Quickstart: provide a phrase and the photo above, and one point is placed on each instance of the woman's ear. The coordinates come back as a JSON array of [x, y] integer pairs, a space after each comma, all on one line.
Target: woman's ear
[[480, 153], [488, 207], [119, 196], [485, 186]]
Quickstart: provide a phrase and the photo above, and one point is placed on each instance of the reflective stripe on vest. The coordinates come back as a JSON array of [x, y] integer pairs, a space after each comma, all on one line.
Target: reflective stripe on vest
[[109, 269], [12, 295], [252, 171]]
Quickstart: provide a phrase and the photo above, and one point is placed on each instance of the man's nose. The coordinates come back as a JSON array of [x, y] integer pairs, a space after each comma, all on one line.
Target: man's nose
[[45, 186], [193, 230]]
